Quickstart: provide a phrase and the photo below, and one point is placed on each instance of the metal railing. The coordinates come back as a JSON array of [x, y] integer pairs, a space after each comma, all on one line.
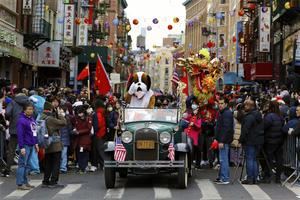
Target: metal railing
[[41, 27], [289, 152]]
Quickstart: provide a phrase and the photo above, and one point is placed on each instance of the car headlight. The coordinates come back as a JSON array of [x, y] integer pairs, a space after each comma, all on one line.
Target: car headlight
[[126, 137], [165, 137]]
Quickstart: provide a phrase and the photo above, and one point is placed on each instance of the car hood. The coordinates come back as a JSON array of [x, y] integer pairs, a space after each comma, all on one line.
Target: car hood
[[158, 126]]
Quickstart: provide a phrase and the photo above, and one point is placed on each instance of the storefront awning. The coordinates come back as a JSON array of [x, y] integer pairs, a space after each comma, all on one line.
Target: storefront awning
[[231, 78]]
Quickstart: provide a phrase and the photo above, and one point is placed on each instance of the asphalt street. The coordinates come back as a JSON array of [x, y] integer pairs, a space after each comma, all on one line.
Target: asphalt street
[[91, 186]]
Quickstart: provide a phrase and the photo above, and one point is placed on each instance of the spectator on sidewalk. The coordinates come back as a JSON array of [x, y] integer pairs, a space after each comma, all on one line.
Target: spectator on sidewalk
[[224, 137], [27, 141]]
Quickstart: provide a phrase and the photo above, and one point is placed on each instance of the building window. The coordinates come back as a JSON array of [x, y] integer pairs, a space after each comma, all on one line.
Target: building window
[[222, 20], [222, 1]]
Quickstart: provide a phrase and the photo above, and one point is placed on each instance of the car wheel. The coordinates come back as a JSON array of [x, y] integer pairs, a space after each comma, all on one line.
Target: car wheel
[[109, 175], [123, 172], [183, 172]]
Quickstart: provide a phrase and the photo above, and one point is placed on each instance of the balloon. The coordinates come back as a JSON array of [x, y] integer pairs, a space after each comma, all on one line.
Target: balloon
[[149, 28], [126, 44], [241, 12], [135, 22], [234, 39], [287, 5], [125, 58], [116, 21], [77, 21], [175, 20], [155, 21], [96, 22], [170, 27], [92, 55], [98, 40], [128, 28], [219, 15]]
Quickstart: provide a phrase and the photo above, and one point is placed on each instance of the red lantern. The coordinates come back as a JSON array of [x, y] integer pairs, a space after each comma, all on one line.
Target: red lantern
[[170, 27], [77, 21], [86, 20], [251, 6], [234, 39], [209, 44], [241, 12], [135, 22]]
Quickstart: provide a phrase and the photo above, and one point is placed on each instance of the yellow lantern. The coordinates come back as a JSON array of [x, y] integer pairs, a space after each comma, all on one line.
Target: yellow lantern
[[287, 5]]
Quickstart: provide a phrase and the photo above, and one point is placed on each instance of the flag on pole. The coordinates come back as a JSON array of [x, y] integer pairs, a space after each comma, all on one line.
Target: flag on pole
[[102, 82], [171, 150], [84, 73], [175, 78], [120, 151]]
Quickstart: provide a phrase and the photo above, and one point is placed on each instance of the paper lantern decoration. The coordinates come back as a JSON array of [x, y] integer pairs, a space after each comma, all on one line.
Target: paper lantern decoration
[[86, 20], [149, 28], [175, 20], [241, 12], [251, 6], [155, 21], [264, 9], [233, 39], [116, 22], [98, 41], [135, 22], [287, 5], [219, 15], [77, 21], [170, 27], [128, 28], [92, 55]]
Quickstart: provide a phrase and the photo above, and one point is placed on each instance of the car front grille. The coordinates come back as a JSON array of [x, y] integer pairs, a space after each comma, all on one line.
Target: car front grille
[[146, 134]]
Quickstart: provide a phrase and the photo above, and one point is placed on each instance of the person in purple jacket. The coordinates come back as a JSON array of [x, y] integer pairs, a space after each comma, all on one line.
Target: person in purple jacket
[[27, 141]]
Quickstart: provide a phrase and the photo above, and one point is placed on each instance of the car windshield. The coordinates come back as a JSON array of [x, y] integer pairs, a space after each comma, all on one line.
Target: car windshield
[[136, 115]]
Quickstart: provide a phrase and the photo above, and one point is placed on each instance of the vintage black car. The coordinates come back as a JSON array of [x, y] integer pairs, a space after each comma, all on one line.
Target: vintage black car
[[146, 135]]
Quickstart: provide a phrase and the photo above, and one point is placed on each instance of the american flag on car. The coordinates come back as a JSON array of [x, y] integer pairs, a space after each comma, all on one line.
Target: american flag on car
[[171, 150], [120, 151]]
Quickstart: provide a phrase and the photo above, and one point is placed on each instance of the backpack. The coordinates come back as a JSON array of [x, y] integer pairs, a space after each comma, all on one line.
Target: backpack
[[42, 133], [95, 122]]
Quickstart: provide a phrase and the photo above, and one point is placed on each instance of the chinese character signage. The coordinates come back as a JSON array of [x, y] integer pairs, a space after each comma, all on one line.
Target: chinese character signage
[[264, 29], [49, 54], [8, 37], [69, 25], [27, 7], [82, 36]]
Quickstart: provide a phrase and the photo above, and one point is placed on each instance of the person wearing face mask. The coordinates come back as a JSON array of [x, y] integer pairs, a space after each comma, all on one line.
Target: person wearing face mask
[[193, 131], [82, 143], [112, 122]]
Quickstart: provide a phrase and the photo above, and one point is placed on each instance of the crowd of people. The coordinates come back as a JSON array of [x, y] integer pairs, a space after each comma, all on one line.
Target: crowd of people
[[77, 129]]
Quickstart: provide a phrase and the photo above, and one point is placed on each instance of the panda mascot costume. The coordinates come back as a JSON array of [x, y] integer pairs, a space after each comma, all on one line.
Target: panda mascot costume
[[139, 94]]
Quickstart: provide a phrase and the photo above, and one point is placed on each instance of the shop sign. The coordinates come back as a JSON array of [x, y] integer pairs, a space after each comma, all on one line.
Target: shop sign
[[82, 36], [115, 78], [48, 55], [264, 30], [69, 25], [8, 37], [27, 7]]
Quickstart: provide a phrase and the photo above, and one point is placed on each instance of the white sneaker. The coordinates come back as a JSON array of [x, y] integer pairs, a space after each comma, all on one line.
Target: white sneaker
[[223, 182], [202, 163], [93, 169]]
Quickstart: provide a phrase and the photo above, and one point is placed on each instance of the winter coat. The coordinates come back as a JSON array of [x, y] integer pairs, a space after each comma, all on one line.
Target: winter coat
[[224, 127], [26, 130], [101, 123], [195, 130], [66, 132], [83, 127], [54, 124], [13, 110], [292, 123], [112, 119], [273, 124], [252, 129]]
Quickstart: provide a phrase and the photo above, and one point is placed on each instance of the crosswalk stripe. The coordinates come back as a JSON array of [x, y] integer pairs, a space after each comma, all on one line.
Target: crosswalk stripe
[[17, 194], [256, 192], [162, 193], [208, 189], [69, 189], [116, 193], [295, 190]]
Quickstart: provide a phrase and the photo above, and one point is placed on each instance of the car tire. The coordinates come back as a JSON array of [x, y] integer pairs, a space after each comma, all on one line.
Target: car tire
[[109, 175], [123, 172], [183, 172]]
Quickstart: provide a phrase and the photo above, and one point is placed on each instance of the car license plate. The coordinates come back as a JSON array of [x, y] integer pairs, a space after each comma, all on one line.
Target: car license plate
[[145, 144]]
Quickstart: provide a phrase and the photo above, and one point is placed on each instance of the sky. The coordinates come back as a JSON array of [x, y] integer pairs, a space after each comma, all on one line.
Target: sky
[[146, 10]]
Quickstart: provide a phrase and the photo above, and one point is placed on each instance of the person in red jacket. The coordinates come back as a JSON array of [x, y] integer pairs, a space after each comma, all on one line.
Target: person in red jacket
[[82, 142], [100, 131]]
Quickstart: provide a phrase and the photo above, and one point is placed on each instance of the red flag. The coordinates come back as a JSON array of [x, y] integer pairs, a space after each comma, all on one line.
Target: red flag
[[102, 82], [84, 73]]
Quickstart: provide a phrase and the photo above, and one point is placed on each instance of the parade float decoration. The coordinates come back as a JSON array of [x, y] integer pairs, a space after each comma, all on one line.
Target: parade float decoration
[[204, 74]]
